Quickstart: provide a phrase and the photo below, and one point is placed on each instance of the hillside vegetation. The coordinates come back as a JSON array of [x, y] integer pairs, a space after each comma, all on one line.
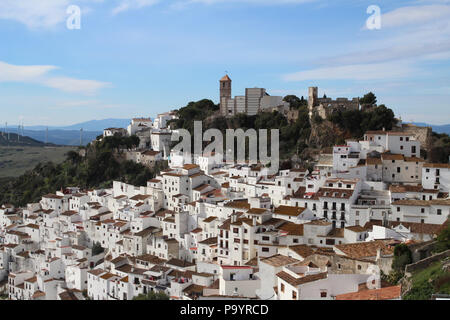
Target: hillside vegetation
[[13, 139], [101, 165], [15, 161], [296, 138]]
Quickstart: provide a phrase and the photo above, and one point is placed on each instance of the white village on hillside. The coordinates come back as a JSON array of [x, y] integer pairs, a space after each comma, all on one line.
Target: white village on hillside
[[203, 229]]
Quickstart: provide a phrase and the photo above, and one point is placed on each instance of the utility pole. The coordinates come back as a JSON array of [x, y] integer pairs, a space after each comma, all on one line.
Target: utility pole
[[46, 136], [18, 133], [81, 137]]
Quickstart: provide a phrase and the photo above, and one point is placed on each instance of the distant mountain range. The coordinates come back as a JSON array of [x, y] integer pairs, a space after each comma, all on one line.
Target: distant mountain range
[[93, 125], [70, 135], [445, 128]]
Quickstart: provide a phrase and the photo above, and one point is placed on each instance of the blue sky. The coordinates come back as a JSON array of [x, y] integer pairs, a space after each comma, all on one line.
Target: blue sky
[[142, 57]]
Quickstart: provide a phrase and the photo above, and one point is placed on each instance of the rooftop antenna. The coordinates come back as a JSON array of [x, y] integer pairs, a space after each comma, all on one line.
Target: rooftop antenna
[[18, 133], [81, 136]]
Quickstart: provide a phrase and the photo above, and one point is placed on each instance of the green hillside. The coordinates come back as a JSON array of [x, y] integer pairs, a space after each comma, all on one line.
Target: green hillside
[[16, 160], [13, 139]]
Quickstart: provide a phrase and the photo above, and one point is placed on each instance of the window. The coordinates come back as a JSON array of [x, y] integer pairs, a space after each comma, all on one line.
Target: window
[[265, 249], [294, 295], [282, 287], [439, 212], [323, 294]]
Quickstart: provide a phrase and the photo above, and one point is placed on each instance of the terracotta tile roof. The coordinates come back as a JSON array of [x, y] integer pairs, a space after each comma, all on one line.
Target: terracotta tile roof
[[356, 229], [302, 280], [408, 188], [96, 272], [197, 230], [150, 258], [190, 166], [373, 161], [209, 219], [416, 227], [179, 263], [209, 241], [238, 204], [437, 165], [387, 293], [302, 250], [289, 211], [256, 211], [413, 159], [391, 156], [278, 260], [366, 249], [140, 197], [252, 262], [422, 203], [292, 228]]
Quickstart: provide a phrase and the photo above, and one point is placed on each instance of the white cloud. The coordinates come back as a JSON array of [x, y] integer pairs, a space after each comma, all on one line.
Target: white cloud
[[414, 15], [354, 72], [40, 75], [12, 73], [183, 3], [75, 85], [125, 5], [40, 13]]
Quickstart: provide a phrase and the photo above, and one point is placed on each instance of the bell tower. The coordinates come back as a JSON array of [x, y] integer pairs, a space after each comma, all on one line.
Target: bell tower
[[225, 93]]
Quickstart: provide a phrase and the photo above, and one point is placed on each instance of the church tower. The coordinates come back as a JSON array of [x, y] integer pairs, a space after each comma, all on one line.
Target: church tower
[[225, 93]]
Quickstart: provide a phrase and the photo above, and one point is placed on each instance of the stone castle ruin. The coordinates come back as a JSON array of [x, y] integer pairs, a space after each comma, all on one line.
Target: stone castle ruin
[[324, 107]]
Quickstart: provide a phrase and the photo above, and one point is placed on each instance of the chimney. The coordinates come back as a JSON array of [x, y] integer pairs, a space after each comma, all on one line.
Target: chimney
[[254, 221], [378, 254], [384, 129]]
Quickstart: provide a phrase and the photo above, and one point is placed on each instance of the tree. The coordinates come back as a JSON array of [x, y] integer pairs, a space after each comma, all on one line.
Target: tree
[[97, 248], [73, 156], [152, 296], [369, 99], [443, 239], [402, 257], [294, 101]]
